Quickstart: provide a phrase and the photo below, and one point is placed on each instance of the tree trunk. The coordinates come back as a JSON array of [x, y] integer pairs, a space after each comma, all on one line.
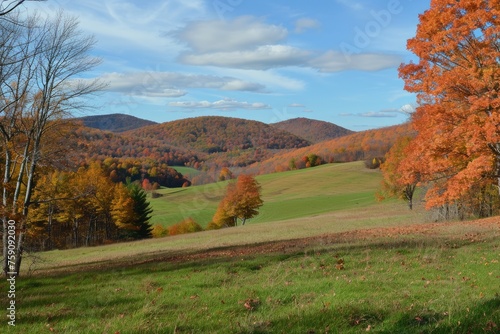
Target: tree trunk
[[19, 250], [49, 227], [75, 232]]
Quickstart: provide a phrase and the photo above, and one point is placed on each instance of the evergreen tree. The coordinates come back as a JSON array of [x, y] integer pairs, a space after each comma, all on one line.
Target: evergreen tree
[[132, 213], [142, 211]]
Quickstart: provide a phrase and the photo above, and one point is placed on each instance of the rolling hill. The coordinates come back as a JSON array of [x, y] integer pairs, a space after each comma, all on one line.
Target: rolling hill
[[315, 191], [114, 122], [207, 143], [357, 146], [312, 130], [210, 143], [213, 134]]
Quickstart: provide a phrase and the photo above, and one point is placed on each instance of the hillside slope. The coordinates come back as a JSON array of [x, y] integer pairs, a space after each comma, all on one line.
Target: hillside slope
[[290, 195], [312, 130], [357, 146], [220, 134], [114, 122]]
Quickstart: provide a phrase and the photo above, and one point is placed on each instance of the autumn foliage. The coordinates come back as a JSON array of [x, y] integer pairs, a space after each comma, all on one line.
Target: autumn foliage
[[398, 183], [312, 130], [85, 208], [457, 82], [242, 201], [186, 226], [353, 147]]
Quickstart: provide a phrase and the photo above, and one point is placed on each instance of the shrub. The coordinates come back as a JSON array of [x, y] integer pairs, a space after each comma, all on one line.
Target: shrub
[[185, 226], [311, 160], [374, 163], [159, 231], [213, 226]]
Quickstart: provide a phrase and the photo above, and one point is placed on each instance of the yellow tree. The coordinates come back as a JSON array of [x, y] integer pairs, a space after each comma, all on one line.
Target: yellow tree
[[86, 205], [225, 215], [242, 201], [131, 212], [50, 191], [397, 183], [122, 207]]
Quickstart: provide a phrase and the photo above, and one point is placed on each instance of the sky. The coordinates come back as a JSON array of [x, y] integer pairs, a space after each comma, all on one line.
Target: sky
[[264, 60]]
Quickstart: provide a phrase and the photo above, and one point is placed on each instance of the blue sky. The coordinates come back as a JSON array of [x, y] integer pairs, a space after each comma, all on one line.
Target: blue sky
[[266, 60]]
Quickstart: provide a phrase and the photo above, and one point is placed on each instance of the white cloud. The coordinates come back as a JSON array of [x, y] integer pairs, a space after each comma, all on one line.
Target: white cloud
[[167, 93], [223, 105], [408, 109], [240, 85], [248, 43], [130, 25], [271, 79], [334, 61], [296, 105], [150, 13], [304, 24], [243, 33], [262, 58], [170, 84], [243, 43], [385, 113]]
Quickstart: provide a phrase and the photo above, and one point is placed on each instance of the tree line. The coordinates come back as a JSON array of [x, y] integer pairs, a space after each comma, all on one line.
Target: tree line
[[41, 59], [85, 208]]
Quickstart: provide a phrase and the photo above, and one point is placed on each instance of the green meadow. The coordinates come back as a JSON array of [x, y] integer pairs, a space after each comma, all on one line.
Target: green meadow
[[288, 195], [322, 257], [187, 171]]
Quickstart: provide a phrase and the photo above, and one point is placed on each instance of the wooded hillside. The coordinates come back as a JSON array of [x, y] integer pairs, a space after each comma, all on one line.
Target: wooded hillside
[[220, 134], [312, 130], [357, 146], [212, 143], [114, 122]]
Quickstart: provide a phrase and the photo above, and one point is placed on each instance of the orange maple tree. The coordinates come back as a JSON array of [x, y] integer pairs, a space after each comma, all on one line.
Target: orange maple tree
[[242, 201], [397, 182], [457, 81]]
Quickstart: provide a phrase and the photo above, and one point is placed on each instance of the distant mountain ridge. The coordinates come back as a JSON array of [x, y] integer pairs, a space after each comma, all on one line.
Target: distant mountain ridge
[[115, 122], [210, 143], [313, 130], [212, 134]]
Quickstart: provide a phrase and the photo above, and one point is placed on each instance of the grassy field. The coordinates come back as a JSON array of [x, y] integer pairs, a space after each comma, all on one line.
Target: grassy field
[[187, 171], [294, 194], [438, 278], [323, 257]]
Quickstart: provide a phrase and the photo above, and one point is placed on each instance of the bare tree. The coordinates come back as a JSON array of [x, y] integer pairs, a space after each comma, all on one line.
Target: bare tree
[[7, 6], [39, 87]]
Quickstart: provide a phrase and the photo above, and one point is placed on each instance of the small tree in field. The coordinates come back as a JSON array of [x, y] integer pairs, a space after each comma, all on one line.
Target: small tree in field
[[242, 201], [395, 184]]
